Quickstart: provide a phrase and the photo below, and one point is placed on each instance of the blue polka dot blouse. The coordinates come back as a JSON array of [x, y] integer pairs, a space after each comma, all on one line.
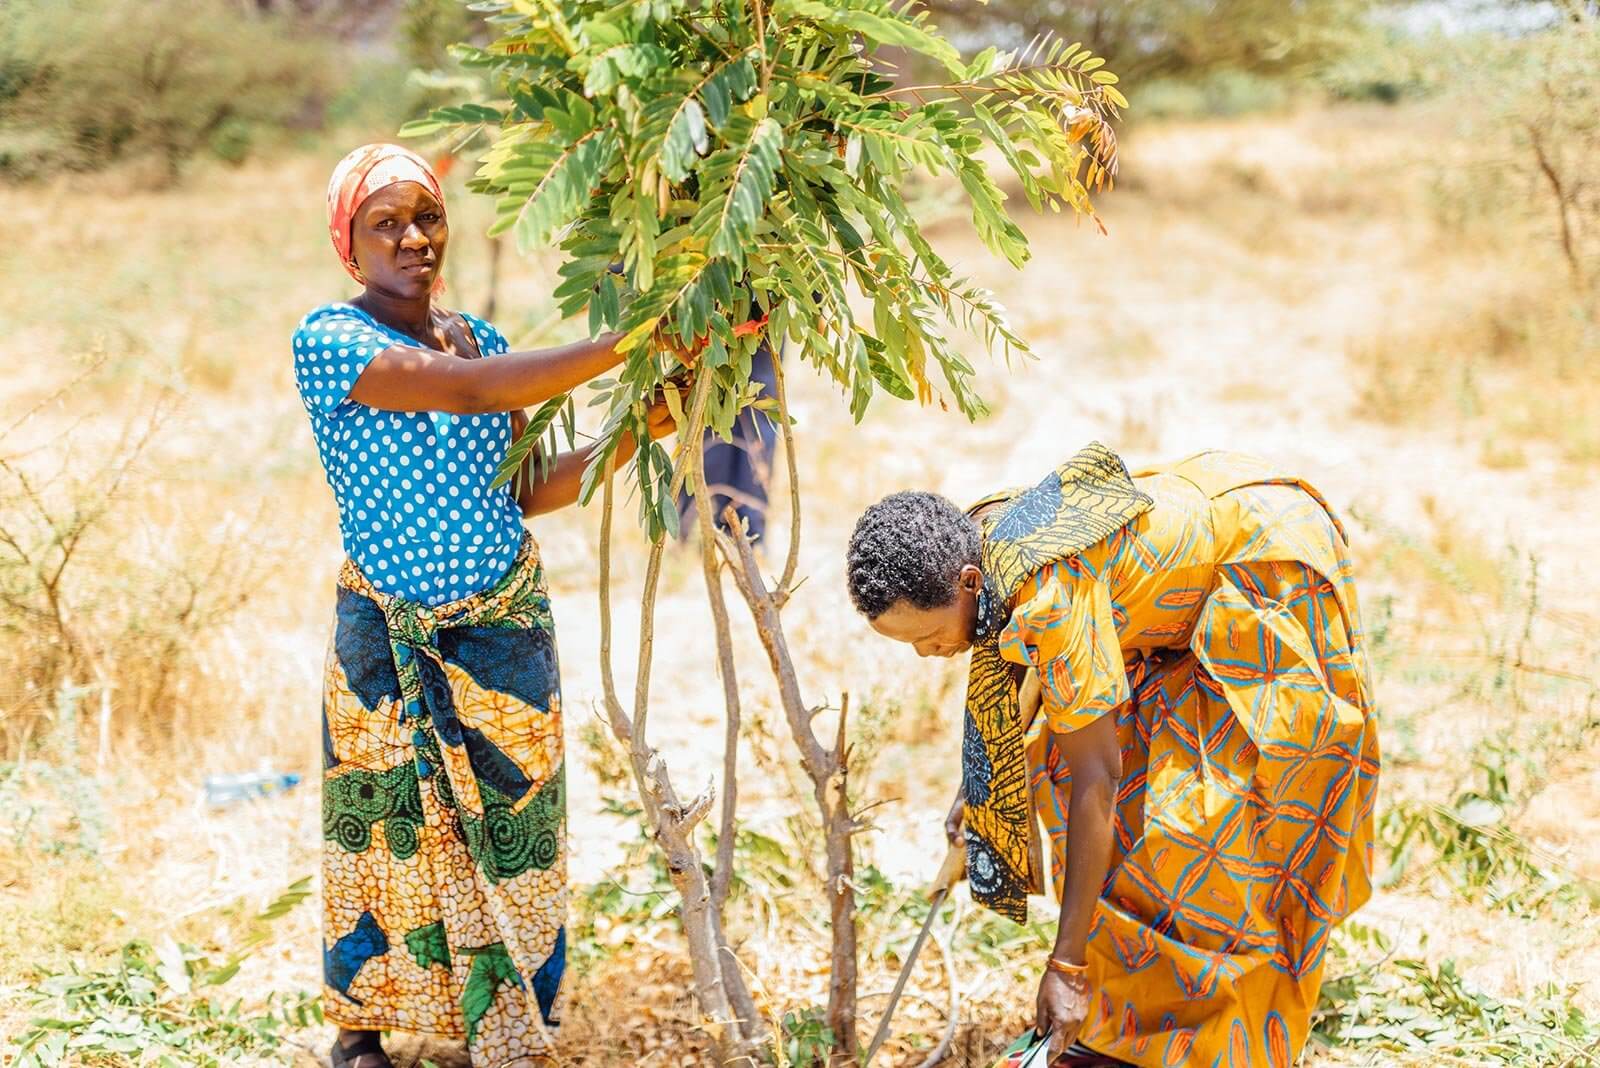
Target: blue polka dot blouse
[[416, 512]]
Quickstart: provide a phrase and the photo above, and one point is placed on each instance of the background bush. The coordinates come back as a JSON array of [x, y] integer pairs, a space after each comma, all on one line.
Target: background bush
[[84, 83], [1142, 39]]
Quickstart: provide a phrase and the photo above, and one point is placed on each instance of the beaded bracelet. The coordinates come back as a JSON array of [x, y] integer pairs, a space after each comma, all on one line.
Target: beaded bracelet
[[1065, 968]]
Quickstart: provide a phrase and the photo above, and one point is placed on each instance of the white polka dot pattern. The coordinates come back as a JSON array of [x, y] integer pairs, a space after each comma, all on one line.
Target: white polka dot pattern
[[416, 512]]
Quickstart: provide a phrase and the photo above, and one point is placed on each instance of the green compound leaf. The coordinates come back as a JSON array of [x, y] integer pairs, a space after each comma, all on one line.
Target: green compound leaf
[[736, 185], [676, 276], [879, 24], [682, 108], [517, 454], [560, 179], [453, 115], [619, 63]]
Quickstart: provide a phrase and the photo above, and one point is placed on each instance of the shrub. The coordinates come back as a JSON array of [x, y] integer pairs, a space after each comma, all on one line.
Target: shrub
[[104, 599], [85, 83], [1146, 39], [1218, 94]]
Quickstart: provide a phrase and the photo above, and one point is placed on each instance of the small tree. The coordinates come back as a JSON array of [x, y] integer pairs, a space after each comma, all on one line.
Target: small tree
[[1551, 112], [707, 162]]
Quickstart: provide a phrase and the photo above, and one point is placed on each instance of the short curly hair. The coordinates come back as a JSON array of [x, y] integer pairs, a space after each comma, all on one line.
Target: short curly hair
[[909, 546]]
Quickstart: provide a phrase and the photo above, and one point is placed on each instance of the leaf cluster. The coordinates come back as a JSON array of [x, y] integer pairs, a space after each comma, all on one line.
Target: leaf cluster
[[1428, 1010], [162, 1005], [705, 162]]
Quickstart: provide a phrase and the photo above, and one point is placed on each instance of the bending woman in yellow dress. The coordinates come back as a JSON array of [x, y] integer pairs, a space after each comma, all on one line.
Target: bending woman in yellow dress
[[1206, 762]]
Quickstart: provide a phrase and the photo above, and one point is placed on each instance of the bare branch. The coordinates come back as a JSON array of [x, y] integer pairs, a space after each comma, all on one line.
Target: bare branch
[[828, 772], [727, 832], [792, 561], [621, 726], [730, 1020], [747, 576], [45, 402], [723, 875], [647, 643], [1562, 205]]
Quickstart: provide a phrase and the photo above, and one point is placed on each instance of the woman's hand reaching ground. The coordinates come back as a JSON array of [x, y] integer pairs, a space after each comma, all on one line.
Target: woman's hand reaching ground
[[1061, 1008]]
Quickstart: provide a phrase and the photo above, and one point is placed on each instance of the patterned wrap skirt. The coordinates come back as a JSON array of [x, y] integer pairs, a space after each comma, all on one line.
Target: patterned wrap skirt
[[444, 816]]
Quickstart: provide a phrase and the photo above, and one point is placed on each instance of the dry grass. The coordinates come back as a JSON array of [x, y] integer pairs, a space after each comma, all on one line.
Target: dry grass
[[1245, 298]]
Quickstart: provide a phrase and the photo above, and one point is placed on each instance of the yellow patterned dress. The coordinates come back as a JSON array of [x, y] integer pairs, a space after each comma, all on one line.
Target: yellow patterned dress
[[444, 869], [1218, 624]]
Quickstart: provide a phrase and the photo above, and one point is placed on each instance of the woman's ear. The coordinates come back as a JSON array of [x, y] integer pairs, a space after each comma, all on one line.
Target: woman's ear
[[970, 579]]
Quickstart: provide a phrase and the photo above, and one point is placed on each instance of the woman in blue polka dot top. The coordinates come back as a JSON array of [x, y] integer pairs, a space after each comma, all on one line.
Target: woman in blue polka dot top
[[443, 789]]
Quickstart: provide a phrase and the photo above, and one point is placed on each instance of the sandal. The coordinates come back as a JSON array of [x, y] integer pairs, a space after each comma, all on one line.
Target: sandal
[[355, 1054]]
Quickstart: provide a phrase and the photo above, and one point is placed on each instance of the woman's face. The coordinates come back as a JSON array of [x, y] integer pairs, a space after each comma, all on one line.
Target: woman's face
[[944, 631], [398, 238]]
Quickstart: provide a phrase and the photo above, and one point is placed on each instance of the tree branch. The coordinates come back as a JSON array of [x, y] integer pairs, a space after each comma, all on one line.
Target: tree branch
[[621, 726], [672, 822], [1558, 189], [727, 831], [792, 561], [828, 771]]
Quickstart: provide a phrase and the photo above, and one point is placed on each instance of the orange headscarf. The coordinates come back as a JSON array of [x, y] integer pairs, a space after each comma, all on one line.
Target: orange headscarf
[[361, 174]]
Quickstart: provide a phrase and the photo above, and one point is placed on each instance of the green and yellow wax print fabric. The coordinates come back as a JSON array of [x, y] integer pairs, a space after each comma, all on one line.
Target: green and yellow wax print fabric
[[1222, 631], [444, 816]]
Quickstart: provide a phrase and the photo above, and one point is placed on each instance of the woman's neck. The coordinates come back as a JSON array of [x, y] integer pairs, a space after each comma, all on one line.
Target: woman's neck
[[411, 317]]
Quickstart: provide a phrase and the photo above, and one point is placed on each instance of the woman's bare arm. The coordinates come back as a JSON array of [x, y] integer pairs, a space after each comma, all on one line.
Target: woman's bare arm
[[1095, 759], [406, 378], [537, 495], [560, 488]]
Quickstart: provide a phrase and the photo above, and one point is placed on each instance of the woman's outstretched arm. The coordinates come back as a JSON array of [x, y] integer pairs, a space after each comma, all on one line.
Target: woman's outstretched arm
[[406, 378]]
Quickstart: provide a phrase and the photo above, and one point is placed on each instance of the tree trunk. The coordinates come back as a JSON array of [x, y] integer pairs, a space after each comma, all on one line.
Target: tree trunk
[[672, 821], [827, 770]]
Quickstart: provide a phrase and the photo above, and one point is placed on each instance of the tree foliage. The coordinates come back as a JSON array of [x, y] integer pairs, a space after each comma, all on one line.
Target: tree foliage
[[704, 162]]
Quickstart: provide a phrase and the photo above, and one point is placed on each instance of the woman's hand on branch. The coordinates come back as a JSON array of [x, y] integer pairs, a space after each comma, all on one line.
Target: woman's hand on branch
[[1061, 1008], [688, 355], [659, 417]]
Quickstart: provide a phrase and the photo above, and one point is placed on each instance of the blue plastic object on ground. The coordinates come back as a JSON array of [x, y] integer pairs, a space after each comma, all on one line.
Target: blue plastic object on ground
[[224, 790]]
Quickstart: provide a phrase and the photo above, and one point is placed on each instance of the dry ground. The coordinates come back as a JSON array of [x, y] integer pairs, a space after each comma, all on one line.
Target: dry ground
[[1256, 278]]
